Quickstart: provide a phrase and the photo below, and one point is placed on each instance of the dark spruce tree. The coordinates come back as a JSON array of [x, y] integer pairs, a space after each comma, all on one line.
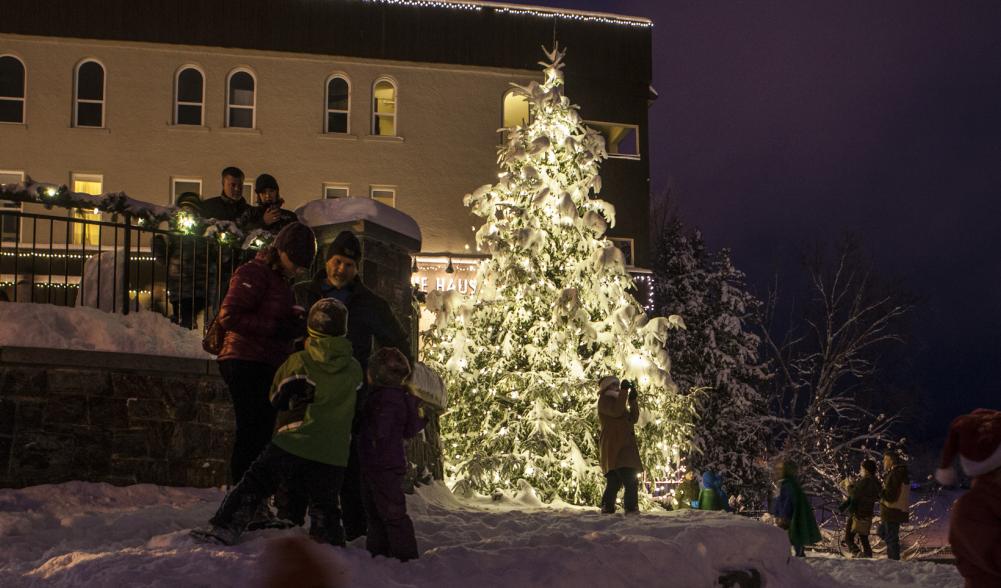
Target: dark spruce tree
[[716, 358]]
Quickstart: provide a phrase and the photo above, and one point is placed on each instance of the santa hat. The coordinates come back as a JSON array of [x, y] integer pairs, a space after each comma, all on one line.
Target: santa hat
[[976, 438]]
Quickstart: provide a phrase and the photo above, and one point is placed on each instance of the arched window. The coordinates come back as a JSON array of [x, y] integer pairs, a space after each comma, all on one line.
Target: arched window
[[515, 109], [11, 89], [189, 96], [89, 92], [241, 100], [338, 104], [384, 108]]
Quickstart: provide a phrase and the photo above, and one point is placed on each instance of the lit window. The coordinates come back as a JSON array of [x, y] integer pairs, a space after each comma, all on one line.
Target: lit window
[[189, 97], [338, 104], [384, 108], [384, 194], [89, 111], [627, 246], [8, 223], [241, 100], [180, 186], [620, 140], [248, 190], [334, 190], [11, 89], [515, 110], [88, 184]]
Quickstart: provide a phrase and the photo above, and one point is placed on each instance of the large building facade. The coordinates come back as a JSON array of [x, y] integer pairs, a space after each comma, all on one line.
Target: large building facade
[[394, 100]]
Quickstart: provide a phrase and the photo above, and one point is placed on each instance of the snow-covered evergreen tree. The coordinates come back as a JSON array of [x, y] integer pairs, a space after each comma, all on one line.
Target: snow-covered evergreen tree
[[551, 315], [718, 356]]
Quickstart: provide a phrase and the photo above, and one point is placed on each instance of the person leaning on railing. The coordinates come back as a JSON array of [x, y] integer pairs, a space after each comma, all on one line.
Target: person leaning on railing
[[191, 270]]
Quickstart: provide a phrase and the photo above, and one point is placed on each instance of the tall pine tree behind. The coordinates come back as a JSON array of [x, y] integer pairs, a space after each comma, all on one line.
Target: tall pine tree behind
[[551, 315], [718, 356]]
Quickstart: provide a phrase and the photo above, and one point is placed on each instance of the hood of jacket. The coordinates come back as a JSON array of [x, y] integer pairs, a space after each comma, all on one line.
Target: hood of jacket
[[328, 354]]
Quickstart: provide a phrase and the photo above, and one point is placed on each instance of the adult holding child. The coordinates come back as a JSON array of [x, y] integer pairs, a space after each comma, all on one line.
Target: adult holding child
[[261, 320]]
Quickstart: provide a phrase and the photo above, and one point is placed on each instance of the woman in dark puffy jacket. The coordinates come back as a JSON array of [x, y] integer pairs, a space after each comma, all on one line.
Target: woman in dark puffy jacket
[[260, 319]]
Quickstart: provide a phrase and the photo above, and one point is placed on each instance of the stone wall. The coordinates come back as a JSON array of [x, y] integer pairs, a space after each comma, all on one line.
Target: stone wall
[[112, 417]]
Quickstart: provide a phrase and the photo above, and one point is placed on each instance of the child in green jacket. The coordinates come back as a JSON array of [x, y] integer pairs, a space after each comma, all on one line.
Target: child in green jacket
[[315, 391]]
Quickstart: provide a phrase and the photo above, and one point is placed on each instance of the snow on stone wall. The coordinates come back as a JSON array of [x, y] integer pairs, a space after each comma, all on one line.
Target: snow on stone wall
[[59, 327]]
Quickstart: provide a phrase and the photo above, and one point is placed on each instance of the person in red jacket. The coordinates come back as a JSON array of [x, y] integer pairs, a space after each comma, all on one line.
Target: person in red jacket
[[261, 320], [975, 522]]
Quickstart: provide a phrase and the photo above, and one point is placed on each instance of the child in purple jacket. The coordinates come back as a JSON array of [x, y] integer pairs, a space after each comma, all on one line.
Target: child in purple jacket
[[390, 415]]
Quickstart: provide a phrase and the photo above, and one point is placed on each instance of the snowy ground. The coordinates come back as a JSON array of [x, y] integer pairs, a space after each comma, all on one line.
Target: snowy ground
[[84, 534]]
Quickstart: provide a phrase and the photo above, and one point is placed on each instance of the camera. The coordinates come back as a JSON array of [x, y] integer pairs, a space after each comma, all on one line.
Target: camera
[[626, 385]]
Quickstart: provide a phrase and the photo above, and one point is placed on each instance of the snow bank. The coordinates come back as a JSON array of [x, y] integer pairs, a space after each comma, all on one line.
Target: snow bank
[[59, 327], [331, 211], [78, 533]]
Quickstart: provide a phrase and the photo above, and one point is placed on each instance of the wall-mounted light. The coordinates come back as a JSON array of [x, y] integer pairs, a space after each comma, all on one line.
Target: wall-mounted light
[[413, 267], [449, 269]]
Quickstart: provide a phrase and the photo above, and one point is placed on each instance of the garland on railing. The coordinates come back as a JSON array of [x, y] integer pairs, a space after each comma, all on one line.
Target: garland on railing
[[145, 213]]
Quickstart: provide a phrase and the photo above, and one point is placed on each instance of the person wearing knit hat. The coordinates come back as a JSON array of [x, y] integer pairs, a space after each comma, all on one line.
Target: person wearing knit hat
[[314, 394], [328, 317], [261, 319], [371, 324], [390, 416], [188, 262], [345, 245], [190, 202], [975, 521], [268, 214], [297, 242]]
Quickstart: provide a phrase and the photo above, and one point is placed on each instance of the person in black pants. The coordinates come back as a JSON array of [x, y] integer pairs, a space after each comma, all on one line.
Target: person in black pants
[[618, 411], [261, 320], [371, 324]]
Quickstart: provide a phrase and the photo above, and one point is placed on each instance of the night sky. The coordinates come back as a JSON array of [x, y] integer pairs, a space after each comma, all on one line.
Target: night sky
[[783, 122]]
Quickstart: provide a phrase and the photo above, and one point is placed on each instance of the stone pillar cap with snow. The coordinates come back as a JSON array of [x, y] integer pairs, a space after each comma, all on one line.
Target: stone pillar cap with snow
[[363, 216]]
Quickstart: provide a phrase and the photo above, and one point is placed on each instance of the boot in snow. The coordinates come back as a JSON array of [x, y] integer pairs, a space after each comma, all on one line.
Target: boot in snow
[[264, 519], [215, 534]]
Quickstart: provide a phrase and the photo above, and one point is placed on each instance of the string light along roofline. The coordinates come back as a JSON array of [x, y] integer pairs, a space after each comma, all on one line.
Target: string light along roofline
[[519, 9]]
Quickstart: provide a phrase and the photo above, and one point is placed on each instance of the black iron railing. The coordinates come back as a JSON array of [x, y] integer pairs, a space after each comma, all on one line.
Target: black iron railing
[[117, 265]]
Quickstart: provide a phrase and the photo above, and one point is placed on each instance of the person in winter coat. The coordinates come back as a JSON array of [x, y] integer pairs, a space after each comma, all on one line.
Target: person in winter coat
[[792, 511], [687, 491], [618, 411], [260, 319], [712, 496], [191, 269], [268, 214], [894, 502], [371, 324], [975, 520], [390, 416], [314, 390], [863, 494], [228, 206]]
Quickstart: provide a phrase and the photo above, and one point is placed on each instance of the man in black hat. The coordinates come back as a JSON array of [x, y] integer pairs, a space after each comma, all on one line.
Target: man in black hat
[[268, 214], [371, 323]]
